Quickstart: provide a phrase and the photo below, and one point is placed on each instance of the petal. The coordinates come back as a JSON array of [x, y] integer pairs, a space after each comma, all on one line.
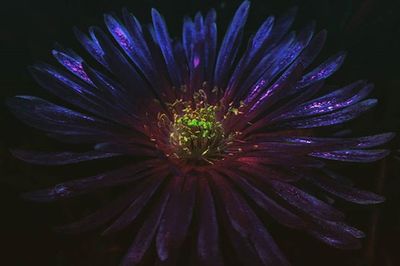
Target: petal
[[338, 99], [91, 45], [164, 42], [75, 188], [101, 216], [136, 49], [208, 235], [359, 156], [146, 233], [59, 158], [135, 208], [230, 45], [134, 85], [210, 45], [323, 71], [334, 118], [46, 116], [279, 213], [70, 89], [305, 202], [72, 63], [175, 223], [345, 192], [244, 221], [338, 235]]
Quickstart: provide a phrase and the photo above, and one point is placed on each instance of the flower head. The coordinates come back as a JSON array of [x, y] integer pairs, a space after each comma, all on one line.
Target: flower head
[[211, 134]]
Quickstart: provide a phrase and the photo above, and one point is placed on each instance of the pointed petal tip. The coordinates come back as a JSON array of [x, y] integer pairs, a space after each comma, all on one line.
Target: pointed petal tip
[[155, 13]]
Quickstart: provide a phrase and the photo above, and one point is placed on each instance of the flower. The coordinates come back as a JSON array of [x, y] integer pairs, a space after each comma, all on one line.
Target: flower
[[215, 138]]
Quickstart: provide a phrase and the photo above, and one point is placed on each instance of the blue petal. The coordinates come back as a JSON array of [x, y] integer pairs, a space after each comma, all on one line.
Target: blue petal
[[230, 45], [324, 70], [164, 42], [334, 118], [59, 158], [338, 99], [360, 156], [91, 45], [135, 48], [72, 63]]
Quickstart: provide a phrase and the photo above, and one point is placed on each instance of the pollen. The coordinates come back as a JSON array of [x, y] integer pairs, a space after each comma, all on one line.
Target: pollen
[[196, 132]]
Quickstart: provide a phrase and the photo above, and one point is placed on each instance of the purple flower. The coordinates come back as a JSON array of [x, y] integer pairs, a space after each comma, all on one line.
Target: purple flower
[[216, 139]]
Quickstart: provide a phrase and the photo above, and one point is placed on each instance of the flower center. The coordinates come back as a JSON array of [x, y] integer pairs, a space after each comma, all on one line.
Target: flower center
[[196, 133]]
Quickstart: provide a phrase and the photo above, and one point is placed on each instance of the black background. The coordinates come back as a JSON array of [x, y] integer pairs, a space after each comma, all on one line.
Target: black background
[[368, 29]]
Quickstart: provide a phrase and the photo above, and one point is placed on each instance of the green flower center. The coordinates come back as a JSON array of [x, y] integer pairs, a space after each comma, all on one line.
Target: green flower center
[[196, 133]]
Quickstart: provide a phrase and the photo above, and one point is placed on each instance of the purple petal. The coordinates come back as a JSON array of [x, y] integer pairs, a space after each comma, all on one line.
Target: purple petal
[[101, 216], [135, 87], [345, 192], [210, 45], [135, 47], [164, 42], [91, 45], [305, 202], [208, 236], [175, 223], [230, 45], [359, 156], [335, 234], [76, 92], [338, 99], [334, 118], [147, 190], [46, 116], [323, 71], [59, 158], [72, 63], [145, 236], [279, 213], [244, 221], [85, 185]]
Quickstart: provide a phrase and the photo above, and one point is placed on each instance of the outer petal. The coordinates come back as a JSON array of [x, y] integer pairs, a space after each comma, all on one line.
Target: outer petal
[[146, 234], [230, 45], [208, 234], [164, 42], [59, 158], [176, 220], [75, 188], [344, 191], [132, 212], [359, 156]]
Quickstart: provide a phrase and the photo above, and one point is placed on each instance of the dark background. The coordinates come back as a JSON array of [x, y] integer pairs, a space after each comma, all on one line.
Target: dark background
[[368, 29]]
